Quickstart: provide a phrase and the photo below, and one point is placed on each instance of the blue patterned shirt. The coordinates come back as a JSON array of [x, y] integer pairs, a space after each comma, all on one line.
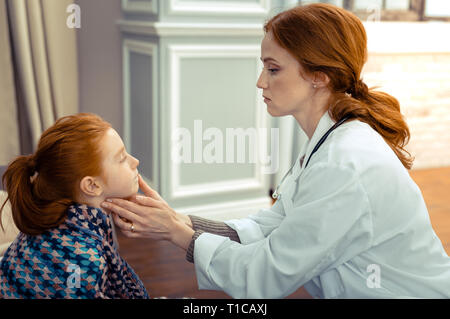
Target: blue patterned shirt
[[77, 259]]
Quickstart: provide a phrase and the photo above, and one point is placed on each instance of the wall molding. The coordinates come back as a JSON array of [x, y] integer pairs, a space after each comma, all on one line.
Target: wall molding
[[151, 50], [148, 7], [168, 29], [176, 54], [235, 8]]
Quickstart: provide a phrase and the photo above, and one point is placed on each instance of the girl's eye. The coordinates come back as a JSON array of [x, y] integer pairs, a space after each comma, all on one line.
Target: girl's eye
[[273, 71]]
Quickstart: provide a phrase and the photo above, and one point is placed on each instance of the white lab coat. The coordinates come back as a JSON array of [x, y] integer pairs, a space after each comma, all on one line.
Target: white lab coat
[[353, 224]]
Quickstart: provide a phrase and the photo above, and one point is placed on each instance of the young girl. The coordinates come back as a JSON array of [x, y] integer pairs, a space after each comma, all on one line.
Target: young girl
[[65, 248]]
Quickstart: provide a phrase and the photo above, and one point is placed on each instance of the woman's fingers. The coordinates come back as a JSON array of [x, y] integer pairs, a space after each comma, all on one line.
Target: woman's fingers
[[147, 217], [146, 201], [124, 226], [130, 234], [123, 208], [147, 190]]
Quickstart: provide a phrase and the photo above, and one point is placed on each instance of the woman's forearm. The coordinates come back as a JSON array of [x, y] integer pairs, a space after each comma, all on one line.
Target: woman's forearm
[[213, 227], [200, 225]]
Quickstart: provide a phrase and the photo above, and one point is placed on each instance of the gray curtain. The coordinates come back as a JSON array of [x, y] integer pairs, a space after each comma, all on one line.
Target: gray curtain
[[9, 132], [39, 57]]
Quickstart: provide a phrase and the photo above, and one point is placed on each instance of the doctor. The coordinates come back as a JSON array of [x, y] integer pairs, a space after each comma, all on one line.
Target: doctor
[[349, 222]]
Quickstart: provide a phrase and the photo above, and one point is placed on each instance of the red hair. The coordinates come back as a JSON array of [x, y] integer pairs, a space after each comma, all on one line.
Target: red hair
[[326, 38], [43, 185]]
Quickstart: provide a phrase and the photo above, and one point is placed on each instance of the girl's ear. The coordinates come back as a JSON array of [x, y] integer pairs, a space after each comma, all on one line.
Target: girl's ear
[[91, 186]]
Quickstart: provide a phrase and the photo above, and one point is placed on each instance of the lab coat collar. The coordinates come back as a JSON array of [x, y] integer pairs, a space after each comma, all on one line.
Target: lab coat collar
[[325, 123]]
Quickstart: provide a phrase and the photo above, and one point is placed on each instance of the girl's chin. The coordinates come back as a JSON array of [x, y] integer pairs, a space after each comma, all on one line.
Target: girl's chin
[[124, 195], [131, 195]]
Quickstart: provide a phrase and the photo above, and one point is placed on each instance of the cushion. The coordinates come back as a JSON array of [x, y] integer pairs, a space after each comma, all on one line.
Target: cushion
[[9, 231]]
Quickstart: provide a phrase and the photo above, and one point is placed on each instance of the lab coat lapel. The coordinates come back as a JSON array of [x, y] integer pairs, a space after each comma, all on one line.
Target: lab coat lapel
[[287, 193], [289, 186]]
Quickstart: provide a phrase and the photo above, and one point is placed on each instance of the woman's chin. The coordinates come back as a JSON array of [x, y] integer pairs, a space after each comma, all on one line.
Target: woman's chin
[[273, 112]]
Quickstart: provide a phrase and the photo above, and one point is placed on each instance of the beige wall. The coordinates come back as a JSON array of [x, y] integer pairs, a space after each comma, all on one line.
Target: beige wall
[[100, 60], [421, 83]]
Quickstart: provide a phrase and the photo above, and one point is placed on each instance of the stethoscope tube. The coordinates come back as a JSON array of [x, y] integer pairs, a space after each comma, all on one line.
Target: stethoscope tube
[[276, 194]]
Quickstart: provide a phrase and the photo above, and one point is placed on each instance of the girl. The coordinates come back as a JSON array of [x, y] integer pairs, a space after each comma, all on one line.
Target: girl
[[65, 247]]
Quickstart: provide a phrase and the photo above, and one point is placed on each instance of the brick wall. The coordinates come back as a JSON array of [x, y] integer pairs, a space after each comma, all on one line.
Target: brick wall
[[421, 83]]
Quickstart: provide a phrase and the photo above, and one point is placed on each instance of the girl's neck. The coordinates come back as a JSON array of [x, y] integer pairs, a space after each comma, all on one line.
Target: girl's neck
[[91, 202]]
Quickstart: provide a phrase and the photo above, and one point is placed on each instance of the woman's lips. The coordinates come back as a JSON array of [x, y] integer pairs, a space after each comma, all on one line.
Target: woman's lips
[[266, 100]]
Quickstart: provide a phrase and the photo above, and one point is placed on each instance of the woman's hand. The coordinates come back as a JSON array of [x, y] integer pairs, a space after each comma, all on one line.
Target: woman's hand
[[150, 217]]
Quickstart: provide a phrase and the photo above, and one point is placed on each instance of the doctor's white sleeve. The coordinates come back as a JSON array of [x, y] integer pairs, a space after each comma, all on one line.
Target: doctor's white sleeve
[[258, 226], [329, 224]]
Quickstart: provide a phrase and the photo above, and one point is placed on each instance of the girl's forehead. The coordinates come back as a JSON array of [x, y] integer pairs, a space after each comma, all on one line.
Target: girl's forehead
[[111, 143]]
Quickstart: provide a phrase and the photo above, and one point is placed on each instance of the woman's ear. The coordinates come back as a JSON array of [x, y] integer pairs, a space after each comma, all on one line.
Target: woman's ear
[[91, 186], [320, 79]]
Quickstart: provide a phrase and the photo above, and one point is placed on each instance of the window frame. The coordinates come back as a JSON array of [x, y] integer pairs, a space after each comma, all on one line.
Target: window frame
[[414, 13]]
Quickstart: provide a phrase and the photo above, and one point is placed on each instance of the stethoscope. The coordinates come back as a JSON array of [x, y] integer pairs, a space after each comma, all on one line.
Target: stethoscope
[[276, 194]]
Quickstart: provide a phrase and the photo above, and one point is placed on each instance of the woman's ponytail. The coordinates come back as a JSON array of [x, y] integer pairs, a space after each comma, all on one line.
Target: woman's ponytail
[[381, 111], [359, 90]]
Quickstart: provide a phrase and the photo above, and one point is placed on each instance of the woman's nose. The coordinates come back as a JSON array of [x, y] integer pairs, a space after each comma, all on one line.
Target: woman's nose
[[262, 83]]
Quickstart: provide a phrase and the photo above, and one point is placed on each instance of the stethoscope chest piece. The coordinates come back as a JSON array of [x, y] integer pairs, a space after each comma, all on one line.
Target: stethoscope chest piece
[[275, 195]]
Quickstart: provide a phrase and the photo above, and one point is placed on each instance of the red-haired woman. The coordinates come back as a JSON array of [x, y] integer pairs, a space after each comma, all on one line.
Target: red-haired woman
[[65, 247], [349, 221]]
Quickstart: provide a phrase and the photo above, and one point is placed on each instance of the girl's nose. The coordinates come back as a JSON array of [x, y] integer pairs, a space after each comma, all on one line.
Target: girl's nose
[[136, 161]]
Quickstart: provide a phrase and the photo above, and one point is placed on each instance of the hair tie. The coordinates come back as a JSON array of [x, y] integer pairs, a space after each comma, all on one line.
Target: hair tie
[[32, 168]]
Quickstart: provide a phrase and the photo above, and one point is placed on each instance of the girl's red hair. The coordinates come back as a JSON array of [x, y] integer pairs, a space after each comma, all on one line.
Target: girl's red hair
[[329, 39], [43, 185]]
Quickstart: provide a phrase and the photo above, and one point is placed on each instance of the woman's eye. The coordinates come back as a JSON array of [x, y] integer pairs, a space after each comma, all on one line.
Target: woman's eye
[[273, 70], [123, 159]]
